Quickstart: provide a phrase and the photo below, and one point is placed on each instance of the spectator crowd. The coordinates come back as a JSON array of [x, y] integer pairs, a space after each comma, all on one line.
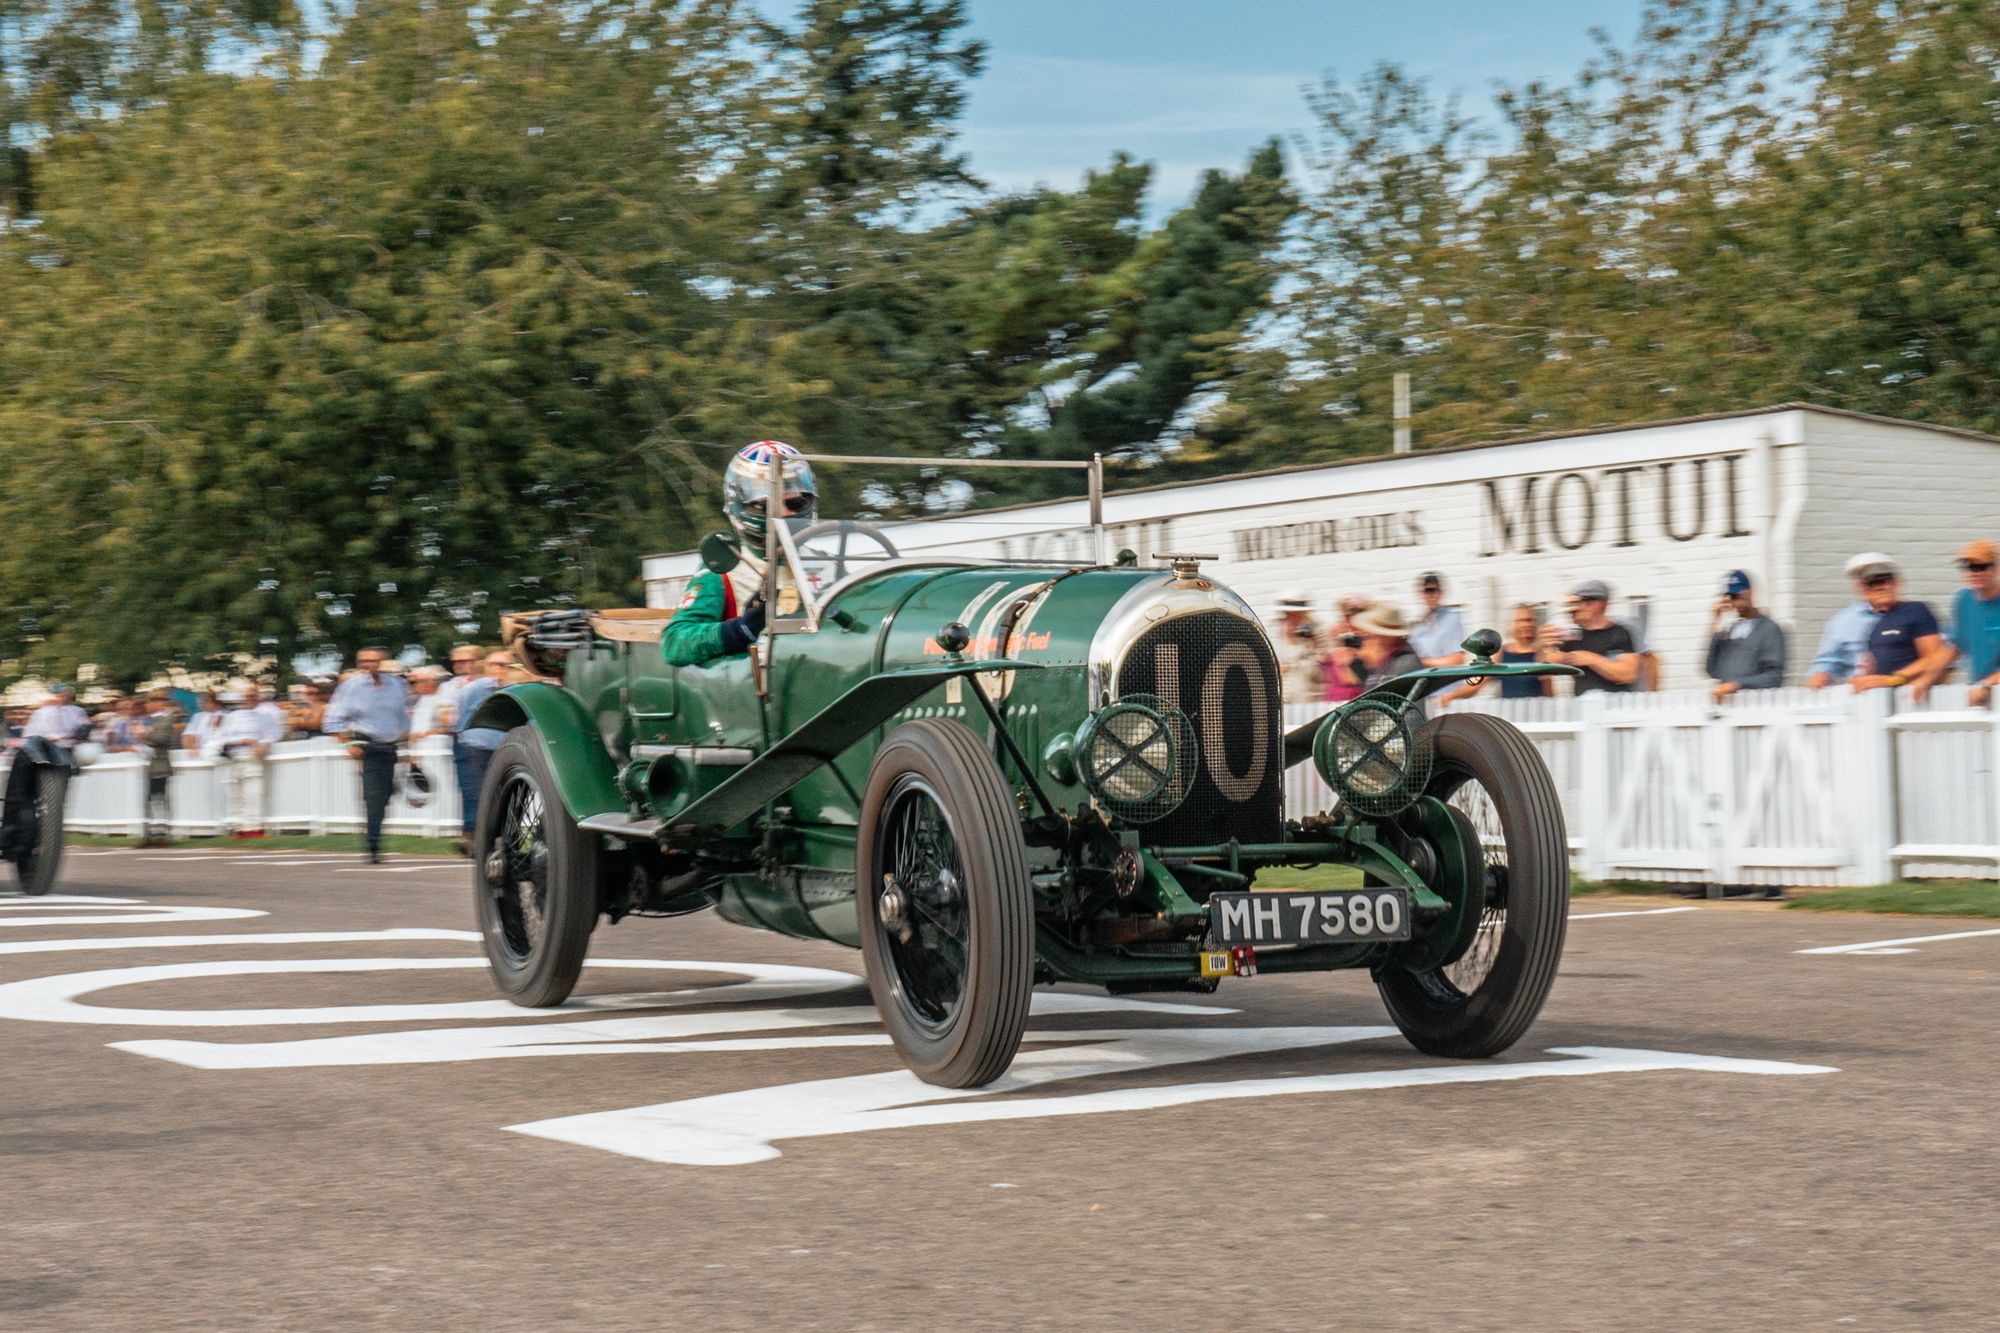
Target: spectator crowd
[[375, 710], [1880, 640]]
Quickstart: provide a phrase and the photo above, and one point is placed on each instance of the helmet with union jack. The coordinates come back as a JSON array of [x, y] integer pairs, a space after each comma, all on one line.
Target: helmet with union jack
[[747, 483]]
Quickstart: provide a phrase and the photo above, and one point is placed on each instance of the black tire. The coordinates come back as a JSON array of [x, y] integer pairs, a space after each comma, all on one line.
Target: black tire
[[953, 985], [1482, 1001], [534, 875], [41, 860]]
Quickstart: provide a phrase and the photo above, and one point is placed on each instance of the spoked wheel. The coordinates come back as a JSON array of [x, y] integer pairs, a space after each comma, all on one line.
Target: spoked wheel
[[945, 905], [1480, 1001], [535, 877], [41, 828]]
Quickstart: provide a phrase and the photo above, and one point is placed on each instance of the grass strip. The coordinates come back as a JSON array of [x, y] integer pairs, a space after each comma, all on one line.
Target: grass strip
[[1931, 897]]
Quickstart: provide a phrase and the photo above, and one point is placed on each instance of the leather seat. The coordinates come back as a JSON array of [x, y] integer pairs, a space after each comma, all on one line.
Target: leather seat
[[638, 624]]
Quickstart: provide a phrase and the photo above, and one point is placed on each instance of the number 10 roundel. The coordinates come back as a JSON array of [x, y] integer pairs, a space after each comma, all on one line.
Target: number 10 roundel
[[1217, 668]]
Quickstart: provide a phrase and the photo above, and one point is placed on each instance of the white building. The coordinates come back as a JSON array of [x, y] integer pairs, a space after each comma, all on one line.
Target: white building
[[1658, 511]]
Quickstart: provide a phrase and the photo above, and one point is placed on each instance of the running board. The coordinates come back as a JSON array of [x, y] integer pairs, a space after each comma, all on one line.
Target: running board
[[621, 825]]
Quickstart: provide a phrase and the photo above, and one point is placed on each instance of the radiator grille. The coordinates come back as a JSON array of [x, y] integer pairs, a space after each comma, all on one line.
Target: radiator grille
[[1217, 668]]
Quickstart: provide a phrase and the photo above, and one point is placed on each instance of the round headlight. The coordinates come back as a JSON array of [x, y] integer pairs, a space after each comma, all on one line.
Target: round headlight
[[1373, 755], [1137, 757]]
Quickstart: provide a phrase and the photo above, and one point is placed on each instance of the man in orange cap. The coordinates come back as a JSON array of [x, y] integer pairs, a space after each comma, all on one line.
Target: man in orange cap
[[1975, 618]]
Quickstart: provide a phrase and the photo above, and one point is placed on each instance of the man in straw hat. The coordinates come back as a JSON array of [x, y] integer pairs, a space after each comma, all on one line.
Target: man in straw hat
[[1299, 649], [1385, 644]]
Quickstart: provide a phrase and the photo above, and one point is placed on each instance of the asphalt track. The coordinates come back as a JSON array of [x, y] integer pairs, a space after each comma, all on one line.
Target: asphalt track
[[1708, 1128]]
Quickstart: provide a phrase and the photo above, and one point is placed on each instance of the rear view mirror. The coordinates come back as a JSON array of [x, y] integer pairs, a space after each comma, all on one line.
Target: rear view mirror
[[720, 553]]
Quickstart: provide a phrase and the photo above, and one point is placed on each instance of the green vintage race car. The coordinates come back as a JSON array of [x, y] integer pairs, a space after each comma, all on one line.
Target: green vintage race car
[[988, 776]]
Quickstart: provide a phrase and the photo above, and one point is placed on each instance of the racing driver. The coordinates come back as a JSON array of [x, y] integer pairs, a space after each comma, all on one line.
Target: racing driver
[[722, 614]]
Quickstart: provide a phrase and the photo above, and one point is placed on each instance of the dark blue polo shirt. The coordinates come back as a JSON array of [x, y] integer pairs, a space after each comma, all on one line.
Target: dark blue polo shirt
[[1893, 641]]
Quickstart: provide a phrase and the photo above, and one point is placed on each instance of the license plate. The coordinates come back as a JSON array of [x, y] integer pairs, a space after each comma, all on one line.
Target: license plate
[[1348, 917]]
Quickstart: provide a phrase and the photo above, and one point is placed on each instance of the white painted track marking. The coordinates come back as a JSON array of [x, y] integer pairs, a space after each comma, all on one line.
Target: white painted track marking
[[134, 914], [399, 933], [1648, 911], [59, 898], [82, 905], [53, 999], [740, 1127], [656, 1034], [1899, 945]]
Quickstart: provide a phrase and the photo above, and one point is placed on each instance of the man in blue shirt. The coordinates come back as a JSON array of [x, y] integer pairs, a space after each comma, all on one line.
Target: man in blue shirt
[[1845, 640], [1905, 647], [370, 712], [1975, 619], [476, 744], [1438, 634]]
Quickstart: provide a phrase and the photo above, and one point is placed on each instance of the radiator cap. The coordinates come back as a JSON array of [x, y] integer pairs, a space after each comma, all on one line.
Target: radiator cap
[[1185, 564]]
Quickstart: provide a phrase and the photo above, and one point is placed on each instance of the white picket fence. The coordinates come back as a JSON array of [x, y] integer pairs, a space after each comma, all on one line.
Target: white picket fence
[[1773, 787], [1770, 787], [309, 787]]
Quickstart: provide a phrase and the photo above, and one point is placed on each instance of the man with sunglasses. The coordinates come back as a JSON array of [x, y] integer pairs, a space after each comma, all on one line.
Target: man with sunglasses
[[1905, 647], [722, 614], [1605, 650], [1975, 619]]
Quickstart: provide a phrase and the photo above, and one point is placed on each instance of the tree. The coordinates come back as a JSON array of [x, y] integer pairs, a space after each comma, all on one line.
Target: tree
[[65, 64], [368, 356], [1877, 256]]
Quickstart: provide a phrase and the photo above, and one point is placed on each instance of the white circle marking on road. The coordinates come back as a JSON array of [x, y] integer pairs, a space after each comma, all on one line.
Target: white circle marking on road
[[54, 999]]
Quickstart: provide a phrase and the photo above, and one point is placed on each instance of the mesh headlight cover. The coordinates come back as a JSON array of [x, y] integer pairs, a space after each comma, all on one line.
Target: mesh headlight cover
[[1138, 756], [1374, 755]]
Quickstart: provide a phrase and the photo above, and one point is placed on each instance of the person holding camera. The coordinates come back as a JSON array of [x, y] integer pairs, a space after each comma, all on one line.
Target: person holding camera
[[1299, 657], [1343, 669], [1593, 642]]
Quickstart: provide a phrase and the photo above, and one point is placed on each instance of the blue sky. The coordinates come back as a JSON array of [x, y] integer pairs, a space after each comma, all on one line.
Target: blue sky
[[1193, 84]]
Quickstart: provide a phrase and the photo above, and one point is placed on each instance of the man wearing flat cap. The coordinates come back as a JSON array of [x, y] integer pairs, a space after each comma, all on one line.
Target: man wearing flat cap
[[1598, 646]]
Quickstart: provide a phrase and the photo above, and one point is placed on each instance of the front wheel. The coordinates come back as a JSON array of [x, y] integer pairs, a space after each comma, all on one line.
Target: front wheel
[[945, 903], [534, 876], [1482, 1000], [41, 829]]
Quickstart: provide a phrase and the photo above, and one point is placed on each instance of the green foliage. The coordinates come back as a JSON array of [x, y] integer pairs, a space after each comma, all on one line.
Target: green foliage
[[1665, 235]]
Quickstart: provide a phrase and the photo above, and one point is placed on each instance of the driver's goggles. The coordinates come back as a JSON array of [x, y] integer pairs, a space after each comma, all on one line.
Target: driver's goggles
[[797, 502]]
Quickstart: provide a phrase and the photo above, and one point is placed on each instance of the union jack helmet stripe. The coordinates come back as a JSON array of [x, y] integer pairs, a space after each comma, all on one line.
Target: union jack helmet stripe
[[760, 452]]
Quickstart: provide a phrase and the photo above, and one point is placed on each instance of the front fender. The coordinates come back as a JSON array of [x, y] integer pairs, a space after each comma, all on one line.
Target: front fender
[[585, 777]]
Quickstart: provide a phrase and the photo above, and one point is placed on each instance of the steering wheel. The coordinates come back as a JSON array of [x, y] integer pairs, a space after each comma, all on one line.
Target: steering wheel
[[840, 550]]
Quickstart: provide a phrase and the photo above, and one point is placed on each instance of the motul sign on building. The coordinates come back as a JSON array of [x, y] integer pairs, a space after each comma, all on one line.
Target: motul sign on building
[[1678, 499], [1661, 512]]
